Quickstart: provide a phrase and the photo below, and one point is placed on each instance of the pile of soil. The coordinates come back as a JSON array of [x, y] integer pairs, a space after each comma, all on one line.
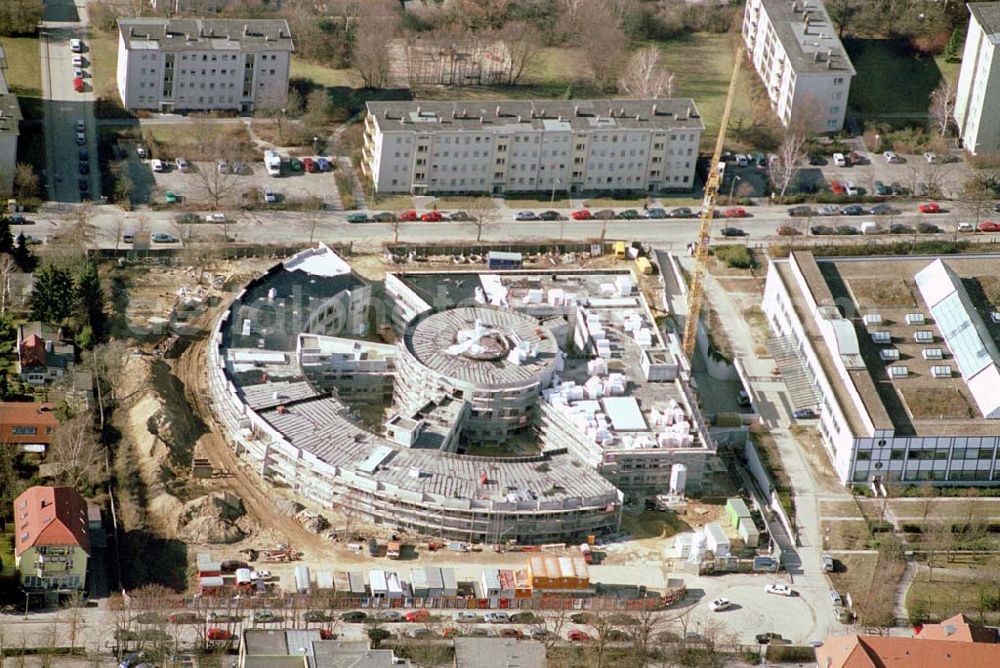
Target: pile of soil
[[213, 518]]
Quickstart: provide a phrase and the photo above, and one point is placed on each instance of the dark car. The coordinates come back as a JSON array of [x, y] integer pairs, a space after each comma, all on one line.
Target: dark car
[[459, 216], [820, 230], [630, 214], [815, 159], [550, 215], [853, 210], [798, 211], [733, 232], [372, 547], [384, 217], [316, 616], [880, 210], [84, 167], [767, 638], [847, 230], [354, 617], [681, 212], [804, 414], [604, 214], [880, 188], [899, 228], [786, 231], [82, 154], [657, 213], [928, 228], [897, 189], [84, 185]]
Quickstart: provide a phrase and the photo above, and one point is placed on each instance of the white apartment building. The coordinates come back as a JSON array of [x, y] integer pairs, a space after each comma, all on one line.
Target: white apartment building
[[795, 49], [978, 96], [523, 146], [10, 120], [172, 65]]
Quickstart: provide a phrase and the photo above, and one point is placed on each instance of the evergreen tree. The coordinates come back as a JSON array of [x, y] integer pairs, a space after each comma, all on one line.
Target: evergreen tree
[[23, 256], [53, 295], [90, 300], [6, 238], [953, 49]]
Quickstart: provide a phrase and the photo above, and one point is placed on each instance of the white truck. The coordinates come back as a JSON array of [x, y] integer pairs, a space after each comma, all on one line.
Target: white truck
[[273, 162]]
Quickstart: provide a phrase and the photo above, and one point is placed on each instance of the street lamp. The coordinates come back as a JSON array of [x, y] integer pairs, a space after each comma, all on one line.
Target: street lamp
[[732, 187], [555, 182]]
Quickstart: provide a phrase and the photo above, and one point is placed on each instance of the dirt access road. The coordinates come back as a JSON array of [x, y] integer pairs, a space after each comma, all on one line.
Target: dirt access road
[[191, 368]]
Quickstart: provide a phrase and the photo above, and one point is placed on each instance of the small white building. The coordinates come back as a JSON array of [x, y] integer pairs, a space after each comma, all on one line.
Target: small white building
[[489, 581], [716, 539]]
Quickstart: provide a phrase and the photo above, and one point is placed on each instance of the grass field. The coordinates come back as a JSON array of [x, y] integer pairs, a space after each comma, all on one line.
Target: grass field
[[891, 78], [103, 55], [24, 66], [324, 76], [953, 590]]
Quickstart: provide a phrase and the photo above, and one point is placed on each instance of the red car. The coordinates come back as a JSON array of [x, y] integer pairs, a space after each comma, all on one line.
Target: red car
[[218, 634], [736, 212], [582, 214], [78, 84], [576, 635], [327, 634], [837, 187], [310, 165], [408, 216], [989, 226], [417, 615], [929, 207], [431, 217], [511, 633]]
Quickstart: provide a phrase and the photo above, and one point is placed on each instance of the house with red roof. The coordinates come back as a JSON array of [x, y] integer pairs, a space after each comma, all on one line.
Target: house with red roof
[[42, 355], [51, 540]]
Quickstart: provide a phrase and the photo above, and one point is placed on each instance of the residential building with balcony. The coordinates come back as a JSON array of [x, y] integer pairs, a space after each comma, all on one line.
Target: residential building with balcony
[[51, 541], [172, 65], [512, 146], [978, 95], [801, 61]]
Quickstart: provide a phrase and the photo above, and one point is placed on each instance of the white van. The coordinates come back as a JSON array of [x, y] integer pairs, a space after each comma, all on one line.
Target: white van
[[157, 165], [839, 160], [75, 45], [869, 227]]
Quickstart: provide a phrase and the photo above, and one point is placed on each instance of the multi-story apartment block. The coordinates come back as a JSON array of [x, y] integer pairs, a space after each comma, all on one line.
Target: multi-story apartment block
[[800, 60], [542, 145], [978, 94], [10, 119], [197, 64], [52, 543]]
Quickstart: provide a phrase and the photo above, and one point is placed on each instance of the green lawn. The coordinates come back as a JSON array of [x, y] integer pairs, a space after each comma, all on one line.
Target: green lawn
[[103, 55], [6, 554], [324, 76], [892, 78], [24, 66]]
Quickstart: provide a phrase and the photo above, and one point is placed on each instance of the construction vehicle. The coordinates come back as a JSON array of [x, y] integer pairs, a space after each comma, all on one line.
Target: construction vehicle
[[696, 289], [280, 553]]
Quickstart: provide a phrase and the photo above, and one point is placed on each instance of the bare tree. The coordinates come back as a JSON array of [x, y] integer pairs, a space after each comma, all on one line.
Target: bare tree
[[597, 24], [484, 215], [943, 106], [7, 267], [77, 452], [976, 199], [215, 182], [790, 154], [369, 53], [645, 76], [521, 42]]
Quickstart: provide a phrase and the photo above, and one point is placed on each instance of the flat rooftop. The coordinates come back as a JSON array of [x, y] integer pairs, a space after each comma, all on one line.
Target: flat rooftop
[[895, 329], [808, 36], [548, 115], [206, 34], [987, 15]]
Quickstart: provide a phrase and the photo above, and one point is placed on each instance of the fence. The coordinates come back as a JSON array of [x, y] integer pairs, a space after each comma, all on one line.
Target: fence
[[527, 248]]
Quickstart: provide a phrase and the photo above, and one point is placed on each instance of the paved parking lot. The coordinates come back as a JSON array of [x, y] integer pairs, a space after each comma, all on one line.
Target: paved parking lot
[[910, 173], [202, 179]]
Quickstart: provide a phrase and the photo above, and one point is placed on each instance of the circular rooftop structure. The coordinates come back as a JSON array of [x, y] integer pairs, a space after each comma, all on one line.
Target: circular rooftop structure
[[483, 346]]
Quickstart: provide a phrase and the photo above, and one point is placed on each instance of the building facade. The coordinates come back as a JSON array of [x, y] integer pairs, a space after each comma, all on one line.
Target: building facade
[[52, 543], [571, 146], [800, 60], [978, 93], [10, 121], [172, 65], [26, 423]]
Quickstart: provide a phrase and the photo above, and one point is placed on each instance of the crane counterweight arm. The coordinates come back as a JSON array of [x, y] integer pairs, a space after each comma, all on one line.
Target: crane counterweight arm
[[696, 291]]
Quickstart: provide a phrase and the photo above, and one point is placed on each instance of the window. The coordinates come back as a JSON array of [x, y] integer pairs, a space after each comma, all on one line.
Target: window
[[838, 81], [24, 431]]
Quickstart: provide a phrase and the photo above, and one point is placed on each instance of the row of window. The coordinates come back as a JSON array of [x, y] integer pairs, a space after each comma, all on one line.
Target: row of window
[[224, 57], [549, 139]]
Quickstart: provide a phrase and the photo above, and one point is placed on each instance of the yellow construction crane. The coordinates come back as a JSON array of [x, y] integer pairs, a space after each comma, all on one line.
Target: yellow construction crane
[[696, 291]]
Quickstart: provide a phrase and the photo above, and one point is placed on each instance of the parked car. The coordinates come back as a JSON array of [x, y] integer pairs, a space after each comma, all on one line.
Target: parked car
[[799, 211], [509, 632], [856, 158], [218, 634], [182, 165], [264, 616], [604, 214], [215, 218], [846, 230], [82, 154], [582, 214], [539, 634], [186, 618], [735, 212], [161, 238], [891, 157], [84, 184], [384, 217], [804, 414], [880, 210], [78, 84], [464, 616], [389, 615], [221, 166], [853, 210], [932, 157], [270, 197], [681, 212], [353, 617], [656, 213], [496, 617], [827, 562], [928, 228], [965, 227], [733, 232], [324, 165], [357, 218], [523, 617], [880, 188], [550, 215], [408, 216], [459, 216], [310, 165], [829, 210], [767, 638], [837, 188], [779, 589], [851, 189], [929, 207], [171, 197], [418, 632], [81, 139], [839, 160], [835, 598], [742, 160], [450, 632], [578, 635], [899, 228], [76, 45], [786, 231], [720, 604], [417, 615], [896, 189], [295, 164], [820, 230], [816, 159], [629, 214], [84, 168], [432, 217], [525, 215], [989, 226]]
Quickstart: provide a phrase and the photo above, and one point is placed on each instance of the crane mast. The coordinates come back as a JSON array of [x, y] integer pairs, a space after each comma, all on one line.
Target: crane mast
[[696, 291]]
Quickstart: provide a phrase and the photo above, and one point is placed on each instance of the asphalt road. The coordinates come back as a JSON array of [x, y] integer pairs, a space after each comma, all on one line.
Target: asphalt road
[[65, 20]]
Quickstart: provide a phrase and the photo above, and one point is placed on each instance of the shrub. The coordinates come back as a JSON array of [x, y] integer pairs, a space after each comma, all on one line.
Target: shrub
[[735, 257]]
